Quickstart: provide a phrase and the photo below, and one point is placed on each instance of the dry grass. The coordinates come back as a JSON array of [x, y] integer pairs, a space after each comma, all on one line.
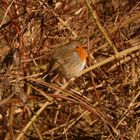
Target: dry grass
[[103, 103]]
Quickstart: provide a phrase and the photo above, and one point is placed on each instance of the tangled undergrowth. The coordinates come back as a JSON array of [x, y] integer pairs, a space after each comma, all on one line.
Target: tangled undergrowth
[[102, 103]]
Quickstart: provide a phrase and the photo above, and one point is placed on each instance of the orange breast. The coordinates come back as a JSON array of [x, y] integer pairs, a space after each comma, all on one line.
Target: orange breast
[[82, 53]]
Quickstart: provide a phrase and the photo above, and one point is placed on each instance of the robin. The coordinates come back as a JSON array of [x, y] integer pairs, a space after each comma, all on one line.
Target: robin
[[69, 59]]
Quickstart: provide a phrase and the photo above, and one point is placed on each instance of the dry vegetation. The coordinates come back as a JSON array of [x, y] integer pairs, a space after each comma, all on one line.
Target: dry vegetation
[[103, 103]]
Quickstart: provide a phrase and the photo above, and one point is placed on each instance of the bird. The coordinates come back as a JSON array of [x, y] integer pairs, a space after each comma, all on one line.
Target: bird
[[69, 59]]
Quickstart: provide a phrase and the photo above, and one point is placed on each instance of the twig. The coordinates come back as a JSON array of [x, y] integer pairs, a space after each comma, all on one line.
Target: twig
[[6, 13], [101, 28], [118, 55]]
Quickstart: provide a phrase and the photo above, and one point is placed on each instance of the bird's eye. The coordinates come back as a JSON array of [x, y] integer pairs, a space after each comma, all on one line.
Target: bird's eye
[[77, 47]]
